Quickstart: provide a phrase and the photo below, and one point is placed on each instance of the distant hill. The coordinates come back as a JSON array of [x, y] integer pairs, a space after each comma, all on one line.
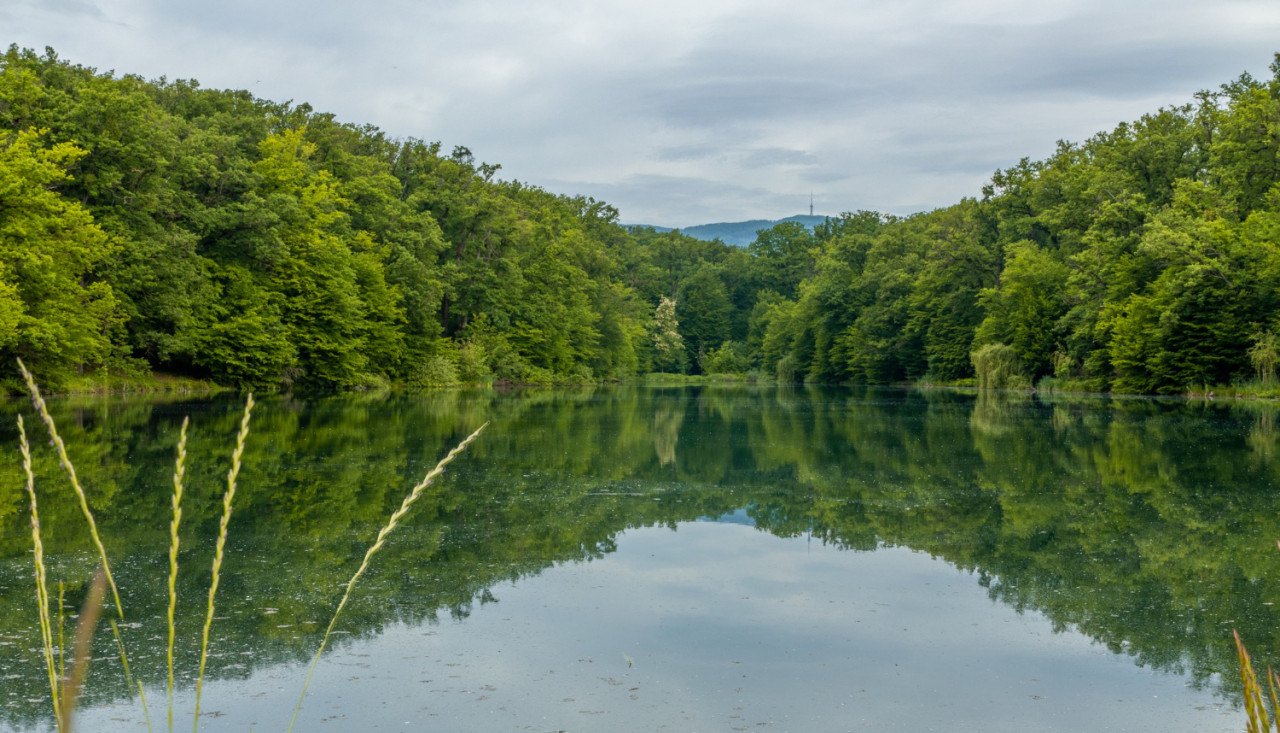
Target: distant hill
[[740, 233]]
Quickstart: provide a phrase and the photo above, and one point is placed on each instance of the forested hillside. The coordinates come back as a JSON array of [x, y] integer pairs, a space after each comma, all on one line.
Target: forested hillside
[[1145, 259], [159, 226], [742, 233]]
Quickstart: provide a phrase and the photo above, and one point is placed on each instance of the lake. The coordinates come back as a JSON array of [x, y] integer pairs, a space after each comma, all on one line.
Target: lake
[[679, 559]]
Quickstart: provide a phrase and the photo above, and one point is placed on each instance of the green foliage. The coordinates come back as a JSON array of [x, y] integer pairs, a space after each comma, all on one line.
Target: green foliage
[[53, 314], [244, 343], [944, 304], [782, 257], [1145, 255], [730, 357], [998, 367], [1064, 366], [473, 367], [704, 312], [1264, 354], [1024, 311], [439, 370], [217, 236], [785, 371], [776, 319], [270, 245]]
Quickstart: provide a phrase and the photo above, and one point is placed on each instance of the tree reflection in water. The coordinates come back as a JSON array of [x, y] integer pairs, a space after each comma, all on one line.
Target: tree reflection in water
[[1147, 525]]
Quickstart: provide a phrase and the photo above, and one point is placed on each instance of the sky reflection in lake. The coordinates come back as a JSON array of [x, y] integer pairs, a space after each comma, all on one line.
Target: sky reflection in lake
[[720, 626]]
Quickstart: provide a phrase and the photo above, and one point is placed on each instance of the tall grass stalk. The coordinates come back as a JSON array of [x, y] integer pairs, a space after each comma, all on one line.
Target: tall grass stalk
[[42, 584], [90, 612], [38, 401], [124, 662], [178, 472], [1255, 702], [227, 498], [40, 406], [394, 520], [64, 688], [62, 625]]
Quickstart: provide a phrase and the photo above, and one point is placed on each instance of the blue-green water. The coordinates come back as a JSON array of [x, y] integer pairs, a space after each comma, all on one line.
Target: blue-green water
[[672, 559]]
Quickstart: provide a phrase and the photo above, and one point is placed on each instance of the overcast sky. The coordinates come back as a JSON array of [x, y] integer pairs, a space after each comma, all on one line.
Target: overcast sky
[[696, 111]]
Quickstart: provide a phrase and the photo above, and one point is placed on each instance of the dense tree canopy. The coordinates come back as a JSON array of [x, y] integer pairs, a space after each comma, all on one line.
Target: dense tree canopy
[[1142, 260], [158, 226]]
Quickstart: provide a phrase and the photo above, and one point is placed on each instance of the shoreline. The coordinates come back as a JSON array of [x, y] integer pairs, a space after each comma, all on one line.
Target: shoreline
[[169, 384]]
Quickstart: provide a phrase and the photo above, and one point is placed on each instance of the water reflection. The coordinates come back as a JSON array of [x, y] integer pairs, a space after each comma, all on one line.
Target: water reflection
[[1149, 526]]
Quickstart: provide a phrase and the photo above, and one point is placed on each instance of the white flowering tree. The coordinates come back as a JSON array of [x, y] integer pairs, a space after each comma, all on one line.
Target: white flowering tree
[[668, 346]]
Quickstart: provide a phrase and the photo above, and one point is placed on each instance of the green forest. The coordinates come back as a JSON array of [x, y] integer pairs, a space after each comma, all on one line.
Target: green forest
[[156, 227]]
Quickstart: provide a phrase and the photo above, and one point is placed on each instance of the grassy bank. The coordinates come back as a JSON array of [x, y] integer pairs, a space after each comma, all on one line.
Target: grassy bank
[[105, 383], [662, 378]]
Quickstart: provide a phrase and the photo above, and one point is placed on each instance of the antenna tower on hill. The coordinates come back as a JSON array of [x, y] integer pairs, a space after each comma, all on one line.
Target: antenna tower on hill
[[810, 203]]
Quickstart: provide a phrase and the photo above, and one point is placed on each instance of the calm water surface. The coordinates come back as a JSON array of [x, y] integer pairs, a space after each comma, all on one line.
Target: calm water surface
[[694, 559]]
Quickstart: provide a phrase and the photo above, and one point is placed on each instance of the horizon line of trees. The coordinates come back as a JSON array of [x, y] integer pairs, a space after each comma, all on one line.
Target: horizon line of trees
[[159, 226]]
